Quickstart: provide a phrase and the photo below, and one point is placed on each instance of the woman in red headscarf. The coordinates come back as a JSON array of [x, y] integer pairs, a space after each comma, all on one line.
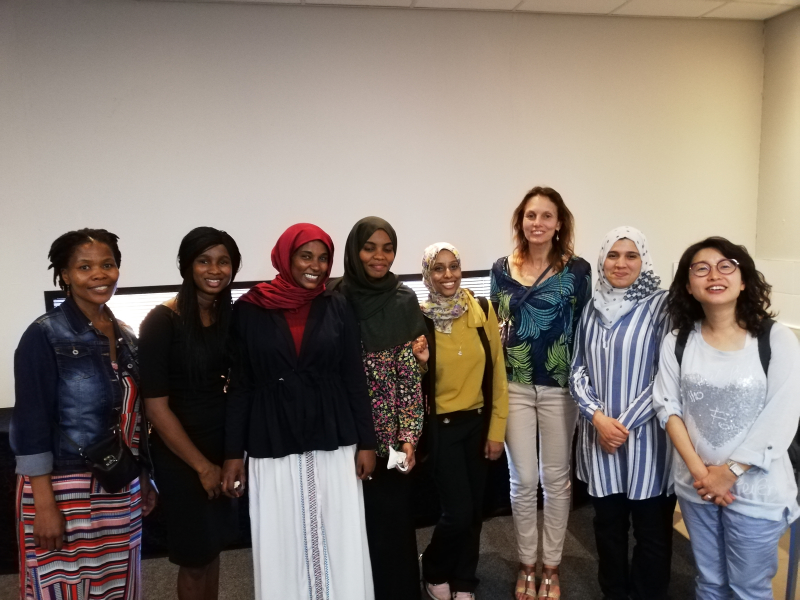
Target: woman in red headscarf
[[298, 405]]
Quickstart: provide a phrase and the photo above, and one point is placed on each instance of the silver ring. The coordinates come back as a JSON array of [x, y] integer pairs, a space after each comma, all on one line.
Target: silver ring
[[709, 496]]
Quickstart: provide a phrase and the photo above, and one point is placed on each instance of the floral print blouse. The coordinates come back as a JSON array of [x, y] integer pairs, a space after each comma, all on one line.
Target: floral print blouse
[[541, 332], [393, 381]]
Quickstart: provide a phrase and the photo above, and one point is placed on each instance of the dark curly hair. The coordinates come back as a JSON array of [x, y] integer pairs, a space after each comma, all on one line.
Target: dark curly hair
[[563, 248], [63, 248], [751, 306]]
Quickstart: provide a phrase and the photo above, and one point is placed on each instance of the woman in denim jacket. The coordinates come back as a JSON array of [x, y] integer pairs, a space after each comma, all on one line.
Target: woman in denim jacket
[[72, 387]]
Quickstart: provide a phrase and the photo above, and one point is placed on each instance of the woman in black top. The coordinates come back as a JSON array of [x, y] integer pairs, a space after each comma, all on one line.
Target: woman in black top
[[184, 366], [299, 406]]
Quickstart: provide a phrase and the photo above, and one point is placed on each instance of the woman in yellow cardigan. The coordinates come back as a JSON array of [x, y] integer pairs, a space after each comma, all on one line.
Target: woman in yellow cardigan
[[467, 399]]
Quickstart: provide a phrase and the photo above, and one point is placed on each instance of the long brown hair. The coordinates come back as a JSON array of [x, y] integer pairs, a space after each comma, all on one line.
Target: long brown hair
[[563, 247]]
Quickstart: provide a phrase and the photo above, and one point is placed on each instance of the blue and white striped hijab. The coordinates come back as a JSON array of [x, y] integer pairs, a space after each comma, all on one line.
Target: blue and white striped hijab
[[611, 303]]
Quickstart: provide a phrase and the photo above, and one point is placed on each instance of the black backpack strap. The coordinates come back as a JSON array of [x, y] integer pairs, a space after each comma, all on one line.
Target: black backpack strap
[[487, 384], [764, 349], [680, 344], [429, 379], [484, 305]]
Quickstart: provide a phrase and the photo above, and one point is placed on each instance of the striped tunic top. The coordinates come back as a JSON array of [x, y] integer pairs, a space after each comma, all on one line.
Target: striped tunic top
[[613, 370]]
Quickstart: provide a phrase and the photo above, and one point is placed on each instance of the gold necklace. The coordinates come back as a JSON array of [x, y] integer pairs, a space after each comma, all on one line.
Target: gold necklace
[[460, 343]]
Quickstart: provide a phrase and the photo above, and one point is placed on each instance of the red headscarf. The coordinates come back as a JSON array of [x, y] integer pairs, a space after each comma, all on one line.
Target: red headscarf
[[283, 292]]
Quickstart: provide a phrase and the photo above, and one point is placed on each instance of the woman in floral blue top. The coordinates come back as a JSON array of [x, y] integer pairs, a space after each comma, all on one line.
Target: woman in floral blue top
[[540, 291], [393, 343]]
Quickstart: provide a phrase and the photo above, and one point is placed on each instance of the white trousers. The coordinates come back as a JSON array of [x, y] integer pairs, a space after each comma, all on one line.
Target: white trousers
[[307, 524], [549, 415]]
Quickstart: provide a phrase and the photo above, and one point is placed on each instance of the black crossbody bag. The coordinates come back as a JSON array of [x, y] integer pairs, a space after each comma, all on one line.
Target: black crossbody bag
[[110, 460]]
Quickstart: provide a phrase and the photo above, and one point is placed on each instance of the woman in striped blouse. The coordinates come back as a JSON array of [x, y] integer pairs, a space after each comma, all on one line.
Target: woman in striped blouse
[[623, 455]]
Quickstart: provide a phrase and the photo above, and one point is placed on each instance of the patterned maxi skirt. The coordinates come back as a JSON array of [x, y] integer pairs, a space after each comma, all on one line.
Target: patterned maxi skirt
[[100, 558], [307, 522]]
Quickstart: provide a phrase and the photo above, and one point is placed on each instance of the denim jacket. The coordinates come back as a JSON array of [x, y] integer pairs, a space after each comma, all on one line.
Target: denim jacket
[[63, 373]]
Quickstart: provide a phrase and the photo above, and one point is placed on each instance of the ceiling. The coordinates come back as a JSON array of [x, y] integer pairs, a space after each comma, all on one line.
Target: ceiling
[[756, 10]]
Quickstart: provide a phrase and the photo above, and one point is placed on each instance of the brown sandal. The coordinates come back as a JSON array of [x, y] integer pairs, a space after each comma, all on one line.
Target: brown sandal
[[550, 587], [526, 583]]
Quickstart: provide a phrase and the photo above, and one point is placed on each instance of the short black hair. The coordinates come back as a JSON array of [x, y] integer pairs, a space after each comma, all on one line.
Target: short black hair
[[752, 306], [63, 248]]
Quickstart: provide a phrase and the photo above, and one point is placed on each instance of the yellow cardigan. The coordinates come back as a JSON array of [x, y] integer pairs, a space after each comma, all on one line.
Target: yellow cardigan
[[459, 376]]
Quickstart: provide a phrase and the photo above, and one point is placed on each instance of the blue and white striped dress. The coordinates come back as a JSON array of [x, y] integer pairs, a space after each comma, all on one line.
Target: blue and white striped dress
[[613, 370]]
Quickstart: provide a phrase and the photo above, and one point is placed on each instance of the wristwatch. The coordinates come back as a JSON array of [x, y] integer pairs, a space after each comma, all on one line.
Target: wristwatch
[[735, 468]]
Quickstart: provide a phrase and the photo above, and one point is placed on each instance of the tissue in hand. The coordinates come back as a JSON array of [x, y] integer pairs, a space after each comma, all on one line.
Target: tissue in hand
[[397, 459]]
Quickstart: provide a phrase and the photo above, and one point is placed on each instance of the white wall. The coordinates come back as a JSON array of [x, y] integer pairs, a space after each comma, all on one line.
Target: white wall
[[779, 183], [150, 118]]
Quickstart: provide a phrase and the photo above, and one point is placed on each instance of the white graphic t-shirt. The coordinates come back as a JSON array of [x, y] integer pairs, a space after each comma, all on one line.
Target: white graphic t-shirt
[[732, 410]]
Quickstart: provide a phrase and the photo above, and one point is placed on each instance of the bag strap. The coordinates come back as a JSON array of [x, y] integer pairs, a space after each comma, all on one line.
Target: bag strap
[[487, 383], [69, 439], [484, 305], [429, 379], [116, 429], [680, 344], [535, 283], [764, 348]]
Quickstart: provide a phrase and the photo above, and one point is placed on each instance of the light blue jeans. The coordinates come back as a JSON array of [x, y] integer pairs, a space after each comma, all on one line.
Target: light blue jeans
[[736, 555]]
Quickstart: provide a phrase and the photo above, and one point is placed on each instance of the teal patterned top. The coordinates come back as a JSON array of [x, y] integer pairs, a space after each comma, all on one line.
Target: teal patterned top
[[541, 332]]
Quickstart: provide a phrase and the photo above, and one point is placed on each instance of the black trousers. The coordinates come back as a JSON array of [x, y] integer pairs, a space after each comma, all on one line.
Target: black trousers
[[647, 577], [460, 471], [391, 534]]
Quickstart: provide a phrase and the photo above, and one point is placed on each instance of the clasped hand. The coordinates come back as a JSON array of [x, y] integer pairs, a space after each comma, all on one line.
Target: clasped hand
[[611, 432], [715, 484]]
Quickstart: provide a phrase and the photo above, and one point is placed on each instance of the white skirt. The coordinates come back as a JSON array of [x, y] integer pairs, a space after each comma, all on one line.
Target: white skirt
[[307, 524]]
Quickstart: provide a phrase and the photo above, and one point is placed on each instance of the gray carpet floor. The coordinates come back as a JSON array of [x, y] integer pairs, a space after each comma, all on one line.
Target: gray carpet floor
[[497, 568]]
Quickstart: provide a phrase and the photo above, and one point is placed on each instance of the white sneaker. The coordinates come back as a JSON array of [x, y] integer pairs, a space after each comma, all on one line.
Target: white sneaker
[[440, 591]]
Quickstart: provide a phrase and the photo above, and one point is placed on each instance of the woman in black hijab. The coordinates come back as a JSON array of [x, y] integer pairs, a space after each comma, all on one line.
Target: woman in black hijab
[[394, 348]]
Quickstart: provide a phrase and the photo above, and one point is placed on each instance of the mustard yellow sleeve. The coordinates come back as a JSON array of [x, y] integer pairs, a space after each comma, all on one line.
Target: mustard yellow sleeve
[[497, 425]]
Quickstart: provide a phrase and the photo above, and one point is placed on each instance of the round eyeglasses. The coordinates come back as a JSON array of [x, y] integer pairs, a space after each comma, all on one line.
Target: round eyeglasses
[[724, 267]]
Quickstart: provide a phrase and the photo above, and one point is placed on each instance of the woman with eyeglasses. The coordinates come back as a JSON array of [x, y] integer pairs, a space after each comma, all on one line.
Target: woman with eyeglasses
[[467, 399], [726, 392]]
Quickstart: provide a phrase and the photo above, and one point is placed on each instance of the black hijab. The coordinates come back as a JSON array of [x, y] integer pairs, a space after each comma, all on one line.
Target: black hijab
[[387, 310]]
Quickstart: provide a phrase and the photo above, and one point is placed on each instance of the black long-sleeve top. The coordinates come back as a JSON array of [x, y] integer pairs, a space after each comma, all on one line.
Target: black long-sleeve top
[[280, 403]]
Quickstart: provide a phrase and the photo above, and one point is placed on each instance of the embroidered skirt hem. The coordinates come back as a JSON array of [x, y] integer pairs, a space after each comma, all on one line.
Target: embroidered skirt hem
[[308, 531]]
